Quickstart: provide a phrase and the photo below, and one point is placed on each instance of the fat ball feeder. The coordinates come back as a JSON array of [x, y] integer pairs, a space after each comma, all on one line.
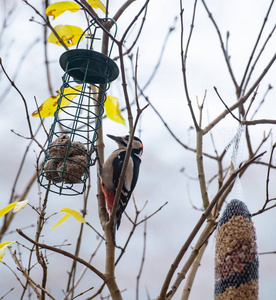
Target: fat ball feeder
[[73, 133]]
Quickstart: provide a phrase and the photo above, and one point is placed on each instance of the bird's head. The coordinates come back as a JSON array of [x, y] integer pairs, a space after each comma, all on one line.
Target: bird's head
[[122, 141]]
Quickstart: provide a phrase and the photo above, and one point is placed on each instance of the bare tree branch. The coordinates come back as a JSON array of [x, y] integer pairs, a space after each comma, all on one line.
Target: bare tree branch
[[255, 46], [63, 252], [225, 52], [142, 261], [241, 100], [184, 56]]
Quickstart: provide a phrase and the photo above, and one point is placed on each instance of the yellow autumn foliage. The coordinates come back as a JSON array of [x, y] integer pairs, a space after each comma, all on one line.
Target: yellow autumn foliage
[[58, 8], [2, 248], [97, 4], [112, 109], [68, 33], [69, 212], [16, 206], [49, 106]]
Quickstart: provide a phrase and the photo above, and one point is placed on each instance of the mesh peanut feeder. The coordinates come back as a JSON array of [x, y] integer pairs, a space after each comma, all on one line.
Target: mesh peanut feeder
[[236, 258], [87, 77]]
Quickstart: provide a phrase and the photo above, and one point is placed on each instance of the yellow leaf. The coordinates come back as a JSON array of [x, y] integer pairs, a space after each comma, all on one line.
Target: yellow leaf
[[7, 208], [49, 106], [97, 4], [65, 217], [69, 212], [58, 8], [68, 33], [112, 109], [20, 205], [2, 248], [77, 215]]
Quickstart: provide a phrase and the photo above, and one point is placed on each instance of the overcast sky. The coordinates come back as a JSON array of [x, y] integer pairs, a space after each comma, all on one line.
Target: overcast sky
[[160, 177]]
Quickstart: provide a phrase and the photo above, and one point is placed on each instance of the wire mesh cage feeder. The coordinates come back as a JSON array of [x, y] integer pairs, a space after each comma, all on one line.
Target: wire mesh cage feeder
[[74, 131]]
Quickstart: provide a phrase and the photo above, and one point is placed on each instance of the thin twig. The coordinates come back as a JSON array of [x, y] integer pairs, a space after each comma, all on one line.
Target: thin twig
[[255, 46], [7, 293], [262, 101], [136, 39], [263, 210], [47, 23], [258, 57], [184, 56], [31, 282], [133, 21], [84, 270], [151, 215], [123, 249], [267, 200], [72, 272], [162, 51], [45, 44], [269, 252], [21, 165], [142, 261], [82, 293], [237, 119], [251, 102], [200, 107], [225, 52], [14, 273], [22, 97], [97, 293], [96, 231], [41, 119], [18, 67]]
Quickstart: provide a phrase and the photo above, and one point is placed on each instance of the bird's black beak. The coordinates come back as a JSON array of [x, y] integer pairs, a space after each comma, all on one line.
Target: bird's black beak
[[117, 139]]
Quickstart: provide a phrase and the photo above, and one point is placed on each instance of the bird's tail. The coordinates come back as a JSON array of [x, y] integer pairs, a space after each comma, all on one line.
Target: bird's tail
[[116, 225], [114, 230]]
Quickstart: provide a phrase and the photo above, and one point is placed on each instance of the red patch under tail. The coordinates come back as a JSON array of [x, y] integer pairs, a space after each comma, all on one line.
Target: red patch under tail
[[109, 198]]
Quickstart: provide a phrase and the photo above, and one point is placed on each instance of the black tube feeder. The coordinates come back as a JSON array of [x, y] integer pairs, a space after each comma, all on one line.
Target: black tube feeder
[[73, 134]]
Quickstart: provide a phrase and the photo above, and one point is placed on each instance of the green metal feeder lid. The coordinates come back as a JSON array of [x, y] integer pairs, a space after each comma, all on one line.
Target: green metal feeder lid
[[89, 66]]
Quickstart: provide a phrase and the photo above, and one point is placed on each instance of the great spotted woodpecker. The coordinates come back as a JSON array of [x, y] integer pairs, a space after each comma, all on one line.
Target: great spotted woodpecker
[[110, 175]]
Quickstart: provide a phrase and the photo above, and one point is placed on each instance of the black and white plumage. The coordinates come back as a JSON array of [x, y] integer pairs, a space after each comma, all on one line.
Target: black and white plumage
[[111, 171]]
